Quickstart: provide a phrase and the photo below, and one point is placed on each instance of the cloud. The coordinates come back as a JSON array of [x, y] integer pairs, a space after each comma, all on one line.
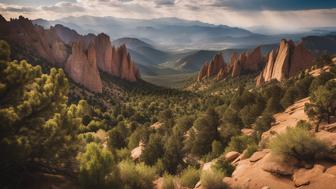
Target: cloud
[[64, 7], [280, 15], [279, 5], [165, 2], [16, 9]]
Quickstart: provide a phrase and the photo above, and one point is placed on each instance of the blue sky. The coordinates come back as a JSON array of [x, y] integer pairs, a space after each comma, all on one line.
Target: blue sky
[[277, 15]]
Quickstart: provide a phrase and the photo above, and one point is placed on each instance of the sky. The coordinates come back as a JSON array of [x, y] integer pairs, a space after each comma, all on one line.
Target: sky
[[269, 15]]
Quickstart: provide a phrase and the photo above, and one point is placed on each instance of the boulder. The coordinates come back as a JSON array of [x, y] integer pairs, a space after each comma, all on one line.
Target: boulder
[[278, 166], [331, 170], [303, 176], [258, 155], [136, 152], [230, 156]]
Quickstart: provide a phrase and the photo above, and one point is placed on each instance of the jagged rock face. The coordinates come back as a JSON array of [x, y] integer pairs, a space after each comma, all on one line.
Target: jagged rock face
[[253, 60], [41, 42], [103, 47], [65, 34], [115, 61], [266, 74], [301, 59], [82, 68], [236, 66], [202, 74], [217, 66], [289, 60], [281, 64], [88, 53]]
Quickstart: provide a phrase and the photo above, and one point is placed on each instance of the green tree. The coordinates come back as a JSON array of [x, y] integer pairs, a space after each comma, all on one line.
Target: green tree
[[97, 168], [206, 132], [173, 155], [153, 150], [322, 104], [38, 129]]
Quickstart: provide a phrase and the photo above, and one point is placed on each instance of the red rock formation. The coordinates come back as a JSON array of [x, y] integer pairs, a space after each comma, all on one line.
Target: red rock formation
[[53, 45], [216, 66], [289, 60], [82, 68], [43, 43], [301, 59], [253, 60], [202, 74]]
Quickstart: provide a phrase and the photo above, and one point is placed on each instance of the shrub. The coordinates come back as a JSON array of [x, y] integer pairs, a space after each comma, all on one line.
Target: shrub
[[264, 122], [251, 149], [168, 182], [96, 167], [240, 143], [304, 124], [138, 176], [189, 177], [298, 143], [223, 166], [213, 180]]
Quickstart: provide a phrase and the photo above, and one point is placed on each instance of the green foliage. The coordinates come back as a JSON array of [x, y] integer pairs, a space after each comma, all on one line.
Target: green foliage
[[300, 144], [4, 50], [240, 143], [264, 123], [168, 182], [223, 166], [206, 127], [38, 128], [303, 124], [217, 148], [322, 103], [153, 151], [213, 180], [97, 169], [173, 156], [189, 177], [136, 176]]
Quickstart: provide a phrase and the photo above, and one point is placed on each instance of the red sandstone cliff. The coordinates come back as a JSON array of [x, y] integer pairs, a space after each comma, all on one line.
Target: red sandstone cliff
[[81, 56], [81, 66], [287, 61], [245, 62]]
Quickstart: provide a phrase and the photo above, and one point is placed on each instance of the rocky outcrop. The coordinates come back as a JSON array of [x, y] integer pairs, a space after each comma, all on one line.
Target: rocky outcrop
[[36, 40], [81, 56], [244, 63], [285, 62], [216, 66], [82, 68], [115, 60]]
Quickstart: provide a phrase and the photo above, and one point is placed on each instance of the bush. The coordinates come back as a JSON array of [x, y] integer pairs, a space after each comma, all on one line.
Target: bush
[[189, 177], [223, 166], [304, 124], [168, 182], [213, 180], [300, 144], [240, 143], [96, 168], [251, 149], [264, 122], [137, 176]]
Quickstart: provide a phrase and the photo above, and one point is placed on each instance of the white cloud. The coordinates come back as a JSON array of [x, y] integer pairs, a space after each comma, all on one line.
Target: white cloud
[[186, 9]]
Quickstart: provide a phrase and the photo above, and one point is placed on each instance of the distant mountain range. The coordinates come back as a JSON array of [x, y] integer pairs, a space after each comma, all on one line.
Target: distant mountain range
[[174, 33], [170, 46]]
